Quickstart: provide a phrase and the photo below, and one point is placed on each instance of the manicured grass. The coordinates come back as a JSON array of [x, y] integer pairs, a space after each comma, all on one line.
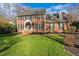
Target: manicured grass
[[32, 45]]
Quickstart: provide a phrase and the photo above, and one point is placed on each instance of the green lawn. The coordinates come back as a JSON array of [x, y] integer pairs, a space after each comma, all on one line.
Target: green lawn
[[32, 45]]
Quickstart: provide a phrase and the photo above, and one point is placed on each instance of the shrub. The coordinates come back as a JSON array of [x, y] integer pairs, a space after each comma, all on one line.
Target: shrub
[[76, 24], [6, 27]]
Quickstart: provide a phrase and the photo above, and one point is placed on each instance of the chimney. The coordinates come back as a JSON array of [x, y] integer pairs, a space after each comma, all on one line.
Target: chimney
[[60, 15]]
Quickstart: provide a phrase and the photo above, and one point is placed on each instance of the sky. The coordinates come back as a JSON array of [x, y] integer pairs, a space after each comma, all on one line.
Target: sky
[[41, 5], [50, 7], [9, 10]]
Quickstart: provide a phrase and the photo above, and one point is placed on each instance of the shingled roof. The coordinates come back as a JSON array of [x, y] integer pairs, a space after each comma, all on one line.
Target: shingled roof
[[32, 12]]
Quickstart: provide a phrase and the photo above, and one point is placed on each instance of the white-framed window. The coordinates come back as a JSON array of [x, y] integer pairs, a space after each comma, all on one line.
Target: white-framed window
[[42, 16], [51, 26], [20, 26], [61, 25], [39, 26], [24, 17], [37, 17], [29, 17], [36, 26], [20, 17]]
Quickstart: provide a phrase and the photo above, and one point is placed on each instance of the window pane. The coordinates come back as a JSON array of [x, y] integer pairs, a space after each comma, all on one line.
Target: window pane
[[36, 26], [52, 26], [41, 26], [20, 17], [30, 17], [19, 26], [42, 17], [61, 25], [25, 17]]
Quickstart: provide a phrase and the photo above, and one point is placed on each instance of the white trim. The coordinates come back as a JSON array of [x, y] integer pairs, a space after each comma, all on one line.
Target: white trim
[[27, 21], [25, 29]]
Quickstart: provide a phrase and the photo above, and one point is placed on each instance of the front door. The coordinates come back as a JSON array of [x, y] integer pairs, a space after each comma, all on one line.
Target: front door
[[28, 25]]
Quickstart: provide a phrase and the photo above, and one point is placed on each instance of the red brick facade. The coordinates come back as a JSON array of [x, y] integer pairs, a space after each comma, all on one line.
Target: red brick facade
[[41, 25], [36, 21]]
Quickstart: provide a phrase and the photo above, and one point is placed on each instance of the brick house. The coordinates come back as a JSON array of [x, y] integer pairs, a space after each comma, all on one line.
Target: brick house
[[37, 21]]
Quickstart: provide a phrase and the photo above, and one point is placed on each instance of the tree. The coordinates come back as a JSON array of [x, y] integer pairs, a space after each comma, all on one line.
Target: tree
[[73, 16], [5, 27]]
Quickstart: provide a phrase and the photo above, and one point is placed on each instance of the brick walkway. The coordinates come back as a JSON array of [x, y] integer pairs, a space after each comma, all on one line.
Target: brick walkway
[[74, 50]]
